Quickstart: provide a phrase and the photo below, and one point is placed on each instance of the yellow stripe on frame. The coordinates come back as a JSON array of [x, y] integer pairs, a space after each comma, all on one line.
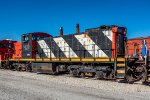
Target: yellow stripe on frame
[[75, 59], [120, 65], [87, 59], [120, 59], [64, 59], [70, 59], [120, 71], [102, 59]]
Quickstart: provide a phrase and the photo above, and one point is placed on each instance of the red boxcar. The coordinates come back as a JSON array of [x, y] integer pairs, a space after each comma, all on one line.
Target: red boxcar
[[135, 45]]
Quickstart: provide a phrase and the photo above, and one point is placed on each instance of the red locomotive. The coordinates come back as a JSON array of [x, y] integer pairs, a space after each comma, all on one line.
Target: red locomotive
[[6, 51]]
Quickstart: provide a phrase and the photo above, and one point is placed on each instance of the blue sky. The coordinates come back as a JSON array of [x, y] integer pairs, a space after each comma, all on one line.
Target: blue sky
[[22, 16]]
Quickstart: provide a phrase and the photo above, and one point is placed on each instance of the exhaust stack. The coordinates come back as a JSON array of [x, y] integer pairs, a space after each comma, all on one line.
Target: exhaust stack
[[61, 31], [77, 28]]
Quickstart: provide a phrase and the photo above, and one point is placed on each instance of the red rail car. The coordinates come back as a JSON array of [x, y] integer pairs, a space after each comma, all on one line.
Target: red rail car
[[135, 45], [138, 64], [6, 52]]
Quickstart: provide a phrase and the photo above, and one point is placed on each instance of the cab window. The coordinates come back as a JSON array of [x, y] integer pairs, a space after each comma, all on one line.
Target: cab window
[[34, 37], [25, 38], [2, 45]]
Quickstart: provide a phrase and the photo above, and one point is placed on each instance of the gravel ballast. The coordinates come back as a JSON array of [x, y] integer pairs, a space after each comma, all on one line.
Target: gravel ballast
[[31, 86]]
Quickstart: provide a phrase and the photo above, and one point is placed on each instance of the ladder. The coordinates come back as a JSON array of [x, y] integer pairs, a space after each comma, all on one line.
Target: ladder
[[120, 68]]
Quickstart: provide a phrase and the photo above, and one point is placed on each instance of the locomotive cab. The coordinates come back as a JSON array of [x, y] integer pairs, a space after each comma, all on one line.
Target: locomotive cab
[[29, 43], [6, 51]]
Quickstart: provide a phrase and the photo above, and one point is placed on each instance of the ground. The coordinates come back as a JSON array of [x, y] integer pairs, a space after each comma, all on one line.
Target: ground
[[31, 86]]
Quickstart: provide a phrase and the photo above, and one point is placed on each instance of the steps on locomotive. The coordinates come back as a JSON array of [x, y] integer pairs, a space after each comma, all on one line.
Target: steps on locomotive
[[120, 68], [148, 75]]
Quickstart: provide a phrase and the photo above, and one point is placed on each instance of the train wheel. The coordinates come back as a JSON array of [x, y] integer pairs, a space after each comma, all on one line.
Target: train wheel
[[96, 76], [74, 73], [144, 75], [57, 70], [129, 76], [82, 75], [71, 72], [136, 74]]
